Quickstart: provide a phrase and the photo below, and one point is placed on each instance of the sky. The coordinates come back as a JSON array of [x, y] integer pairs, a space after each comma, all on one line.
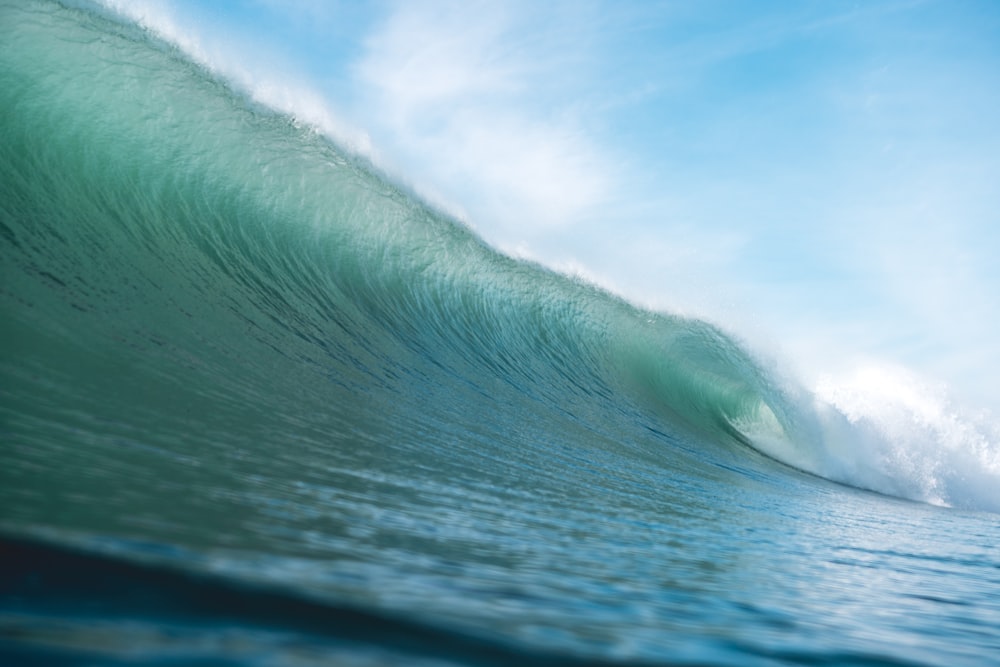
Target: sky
[[820, 178]]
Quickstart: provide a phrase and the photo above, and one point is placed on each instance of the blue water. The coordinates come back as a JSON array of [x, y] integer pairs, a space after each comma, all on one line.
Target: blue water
[[259, 405]]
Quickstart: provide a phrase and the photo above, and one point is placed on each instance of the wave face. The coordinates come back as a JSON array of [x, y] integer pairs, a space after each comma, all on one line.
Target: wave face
[[232, 347], [188, 263]]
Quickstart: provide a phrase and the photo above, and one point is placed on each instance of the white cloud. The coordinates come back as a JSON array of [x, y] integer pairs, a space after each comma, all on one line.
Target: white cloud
[[459, 92], [426, 54]]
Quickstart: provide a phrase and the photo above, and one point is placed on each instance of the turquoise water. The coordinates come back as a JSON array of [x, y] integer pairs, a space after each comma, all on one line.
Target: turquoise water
[[261, 405]]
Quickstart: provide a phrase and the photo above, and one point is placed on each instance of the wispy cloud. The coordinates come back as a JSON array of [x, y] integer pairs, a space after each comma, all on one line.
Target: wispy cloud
[[465, 91]]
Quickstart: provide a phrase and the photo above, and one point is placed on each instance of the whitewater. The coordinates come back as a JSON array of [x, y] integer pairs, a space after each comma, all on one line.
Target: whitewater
[[261, 404]]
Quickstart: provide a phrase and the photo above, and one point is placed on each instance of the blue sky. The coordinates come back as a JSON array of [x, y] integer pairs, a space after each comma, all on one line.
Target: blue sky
[[822, 178]]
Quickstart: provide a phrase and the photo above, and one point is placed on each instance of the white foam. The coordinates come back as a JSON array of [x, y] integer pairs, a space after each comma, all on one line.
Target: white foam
[[886, 429]]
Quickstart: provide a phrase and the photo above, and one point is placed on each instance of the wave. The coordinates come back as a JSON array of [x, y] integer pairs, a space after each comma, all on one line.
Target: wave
[[208, 620], [186, 266]]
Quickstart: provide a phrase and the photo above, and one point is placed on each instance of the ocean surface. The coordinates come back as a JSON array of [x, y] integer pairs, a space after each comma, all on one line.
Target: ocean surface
[[260, 405]]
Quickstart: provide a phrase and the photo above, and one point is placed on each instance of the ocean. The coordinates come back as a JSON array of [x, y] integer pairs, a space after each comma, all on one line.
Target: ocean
[[261, 405]]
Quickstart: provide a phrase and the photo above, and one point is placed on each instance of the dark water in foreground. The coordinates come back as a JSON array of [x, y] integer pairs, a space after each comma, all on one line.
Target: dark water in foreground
[[260, 406]]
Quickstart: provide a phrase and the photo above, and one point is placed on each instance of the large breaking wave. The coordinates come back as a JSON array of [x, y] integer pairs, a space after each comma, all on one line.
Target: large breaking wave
[[187, 269]]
